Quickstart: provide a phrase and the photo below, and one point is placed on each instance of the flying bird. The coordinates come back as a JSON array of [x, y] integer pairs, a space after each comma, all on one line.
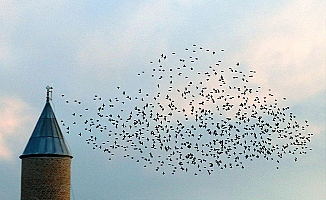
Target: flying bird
[[200, 116]]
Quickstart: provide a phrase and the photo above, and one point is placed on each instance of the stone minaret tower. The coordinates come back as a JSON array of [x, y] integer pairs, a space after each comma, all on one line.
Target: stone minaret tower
[[46, 160]]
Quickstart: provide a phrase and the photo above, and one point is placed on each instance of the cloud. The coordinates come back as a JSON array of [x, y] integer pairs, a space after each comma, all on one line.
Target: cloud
[[108, 44], [142, 28], [288, 50], [8, 17], [14, 120]]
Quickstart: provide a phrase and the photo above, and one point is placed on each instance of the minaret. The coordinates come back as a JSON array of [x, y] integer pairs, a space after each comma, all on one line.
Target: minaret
[[46, 160]]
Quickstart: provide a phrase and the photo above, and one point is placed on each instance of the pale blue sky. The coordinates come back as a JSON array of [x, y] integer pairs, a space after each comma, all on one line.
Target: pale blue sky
[[90, 47]]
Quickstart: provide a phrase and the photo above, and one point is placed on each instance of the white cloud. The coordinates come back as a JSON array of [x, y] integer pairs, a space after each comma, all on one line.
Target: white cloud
[[144, 28], [14, 120], [288, 50], [108, 44], [8, 18]]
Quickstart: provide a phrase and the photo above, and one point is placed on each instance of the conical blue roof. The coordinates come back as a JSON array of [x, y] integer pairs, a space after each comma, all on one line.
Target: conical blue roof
[[47, 138]]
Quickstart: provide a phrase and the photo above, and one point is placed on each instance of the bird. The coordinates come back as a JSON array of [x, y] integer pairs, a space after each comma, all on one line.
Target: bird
[[198, 116]]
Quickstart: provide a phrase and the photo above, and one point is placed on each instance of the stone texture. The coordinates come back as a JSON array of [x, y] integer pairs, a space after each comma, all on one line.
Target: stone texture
[[45, 178]]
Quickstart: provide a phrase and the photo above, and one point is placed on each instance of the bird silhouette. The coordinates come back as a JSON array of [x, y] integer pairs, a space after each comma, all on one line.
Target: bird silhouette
[[201, 115]]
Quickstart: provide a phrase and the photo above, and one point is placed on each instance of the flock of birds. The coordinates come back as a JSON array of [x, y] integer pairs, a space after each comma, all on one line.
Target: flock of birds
[[194, 114]]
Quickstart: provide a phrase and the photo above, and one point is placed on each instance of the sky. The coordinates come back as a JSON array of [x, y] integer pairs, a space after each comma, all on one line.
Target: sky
[[84, 48]]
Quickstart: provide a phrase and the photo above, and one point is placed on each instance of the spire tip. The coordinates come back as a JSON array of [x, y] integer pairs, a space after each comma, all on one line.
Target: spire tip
[[48, 91]]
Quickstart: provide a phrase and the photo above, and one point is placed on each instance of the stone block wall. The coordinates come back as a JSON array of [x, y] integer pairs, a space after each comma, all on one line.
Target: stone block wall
[[45, 178]]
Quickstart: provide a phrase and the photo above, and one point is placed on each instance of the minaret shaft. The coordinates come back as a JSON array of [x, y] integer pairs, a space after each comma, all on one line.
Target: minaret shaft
[[45, 178]]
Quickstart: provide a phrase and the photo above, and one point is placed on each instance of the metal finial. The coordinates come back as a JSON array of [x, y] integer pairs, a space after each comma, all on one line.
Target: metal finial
[[48, 91]]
